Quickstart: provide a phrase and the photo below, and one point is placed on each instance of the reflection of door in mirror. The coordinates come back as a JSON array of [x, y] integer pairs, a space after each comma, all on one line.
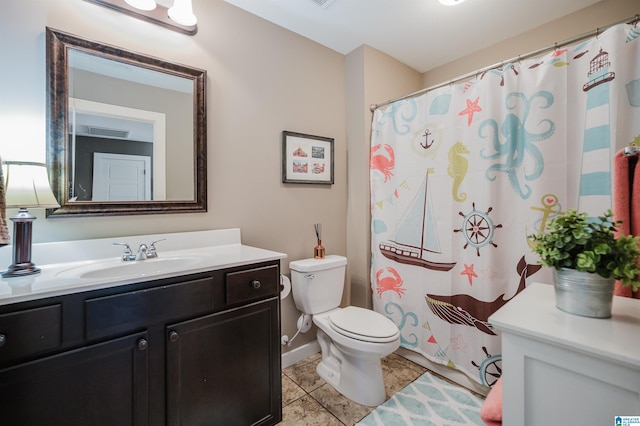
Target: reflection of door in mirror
[[101, 128], [119, 177], [116, 108]]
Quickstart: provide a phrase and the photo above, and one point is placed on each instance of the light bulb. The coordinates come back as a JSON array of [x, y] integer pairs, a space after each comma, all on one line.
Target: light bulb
[[142, 4], [182, 13]]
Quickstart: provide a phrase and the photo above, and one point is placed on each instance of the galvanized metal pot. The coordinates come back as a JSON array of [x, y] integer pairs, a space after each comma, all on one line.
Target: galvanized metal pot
[[583, 293]]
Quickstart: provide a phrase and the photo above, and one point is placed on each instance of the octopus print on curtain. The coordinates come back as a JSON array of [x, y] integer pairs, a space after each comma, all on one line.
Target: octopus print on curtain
[[461, 175]]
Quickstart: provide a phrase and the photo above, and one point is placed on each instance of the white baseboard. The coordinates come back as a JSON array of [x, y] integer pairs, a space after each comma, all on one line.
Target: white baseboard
[[298, 354], [447, 372]]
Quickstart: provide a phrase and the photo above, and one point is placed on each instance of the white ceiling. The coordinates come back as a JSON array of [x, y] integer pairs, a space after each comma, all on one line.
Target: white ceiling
[[423, 34]]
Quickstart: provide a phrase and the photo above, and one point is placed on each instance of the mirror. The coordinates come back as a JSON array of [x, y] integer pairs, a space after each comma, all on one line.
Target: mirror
[[126, 132]]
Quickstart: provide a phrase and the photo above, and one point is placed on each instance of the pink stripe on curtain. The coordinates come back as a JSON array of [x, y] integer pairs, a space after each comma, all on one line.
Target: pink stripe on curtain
[[626, 203]]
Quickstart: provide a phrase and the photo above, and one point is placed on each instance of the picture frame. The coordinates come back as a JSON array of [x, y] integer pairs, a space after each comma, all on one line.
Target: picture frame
[[307, 158]]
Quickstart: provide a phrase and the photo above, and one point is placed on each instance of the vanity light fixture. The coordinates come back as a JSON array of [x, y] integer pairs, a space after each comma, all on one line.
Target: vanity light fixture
[[179, 17], [182, 12], [450, 2], [142, 4], [26, 185]]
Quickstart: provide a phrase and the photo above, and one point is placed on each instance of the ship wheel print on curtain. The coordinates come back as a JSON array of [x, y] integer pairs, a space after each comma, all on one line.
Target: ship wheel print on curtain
[[477, 228]]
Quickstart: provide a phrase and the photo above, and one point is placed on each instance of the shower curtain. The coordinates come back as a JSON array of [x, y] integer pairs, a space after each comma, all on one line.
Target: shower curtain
[[462, 175]]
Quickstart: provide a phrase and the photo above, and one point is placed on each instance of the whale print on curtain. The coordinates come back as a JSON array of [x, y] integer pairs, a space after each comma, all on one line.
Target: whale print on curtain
[[461, 175]]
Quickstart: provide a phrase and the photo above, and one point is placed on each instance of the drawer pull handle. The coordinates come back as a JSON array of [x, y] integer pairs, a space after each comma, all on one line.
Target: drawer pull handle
[[174, 336], [3, 340], [255, 284], [143, 344]]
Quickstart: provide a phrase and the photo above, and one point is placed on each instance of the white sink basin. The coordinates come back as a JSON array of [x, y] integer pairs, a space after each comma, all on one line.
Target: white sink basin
[[115, 269]]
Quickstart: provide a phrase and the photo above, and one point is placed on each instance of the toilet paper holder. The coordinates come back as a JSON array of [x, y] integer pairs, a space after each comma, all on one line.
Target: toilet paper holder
[[285, 286]]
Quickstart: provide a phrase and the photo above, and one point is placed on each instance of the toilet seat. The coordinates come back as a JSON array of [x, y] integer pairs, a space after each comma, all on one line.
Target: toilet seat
[[363, 324]]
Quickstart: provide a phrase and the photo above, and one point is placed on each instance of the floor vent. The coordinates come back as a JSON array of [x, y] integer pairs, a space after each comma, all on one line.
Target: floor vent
[[323, 3], [105, 132]]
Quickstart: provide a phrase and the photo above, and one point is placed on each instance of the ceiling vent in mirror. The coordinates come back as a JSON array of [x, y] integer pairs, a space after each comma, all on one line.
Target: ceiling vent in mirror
[[323, 3], [107, 133]]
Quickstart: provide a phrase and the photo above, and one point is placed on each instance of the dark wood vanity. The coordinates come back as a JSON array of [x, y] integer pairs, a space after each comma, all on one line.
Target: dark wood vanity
[[196, 349]]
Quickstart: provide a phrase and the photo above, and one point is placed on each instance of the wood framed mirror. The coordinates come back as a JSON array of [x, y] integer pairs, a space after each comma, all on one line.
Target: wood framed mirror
[[126, 132]]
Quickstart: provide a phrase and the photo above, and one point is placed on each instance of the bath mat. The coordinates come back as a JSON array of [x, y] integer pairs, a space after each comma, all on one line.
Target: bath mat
[[428, 401]]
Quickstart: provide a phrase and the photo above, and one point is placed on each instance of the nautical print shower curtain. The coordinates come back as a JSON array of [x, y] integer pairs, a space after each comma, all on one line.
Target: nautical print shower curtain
[[461, 175]]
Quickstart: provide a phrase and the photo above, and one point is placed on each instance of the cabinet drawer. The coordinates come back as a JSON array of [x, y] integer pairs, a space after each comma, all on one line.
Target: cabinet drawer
[[124, 312], [30, 332], [252, 284]]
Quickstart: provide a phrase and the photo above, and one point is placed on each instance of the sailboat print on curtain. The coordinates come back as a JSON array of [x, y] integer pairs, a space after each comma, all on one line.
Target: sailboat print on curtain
[[416, 236]]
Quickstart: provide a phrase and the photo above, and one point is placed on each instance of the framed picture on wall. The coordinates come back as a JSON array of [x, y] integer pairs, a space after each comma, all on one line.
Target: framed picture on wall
[[306, 158]]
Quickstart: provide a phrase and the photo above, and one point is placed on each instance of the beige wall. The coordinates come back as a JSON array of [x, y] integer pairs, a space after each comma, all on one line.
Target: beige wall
[[601, 14], [372, 76], [382, 78], [262, 80]]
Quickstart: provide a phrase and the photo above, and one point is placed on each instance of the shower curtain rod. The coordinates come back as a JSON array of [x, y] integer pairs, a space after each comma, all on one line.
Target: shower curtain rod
[[592, 33]]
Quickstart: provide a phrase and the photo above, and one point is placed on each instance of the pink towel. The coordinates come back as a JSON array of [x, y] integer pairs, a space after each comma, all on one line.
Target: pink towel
[[625, 207], [491, 410]]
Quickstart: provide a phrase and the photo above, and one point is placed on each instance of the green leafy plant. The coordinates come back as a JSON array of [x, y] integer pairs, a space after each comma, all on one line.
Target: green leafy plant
[[576, 241]]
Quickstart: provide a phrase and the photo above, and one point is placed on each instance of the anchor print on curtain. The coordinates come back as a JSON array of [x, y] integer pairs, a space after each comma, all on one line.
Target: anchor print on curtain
[[461, 175]]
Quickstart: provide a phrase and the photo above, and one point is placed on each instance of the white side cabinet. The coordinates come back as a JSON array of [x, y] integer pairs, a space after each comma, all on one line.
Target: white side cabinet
[[562, 369]]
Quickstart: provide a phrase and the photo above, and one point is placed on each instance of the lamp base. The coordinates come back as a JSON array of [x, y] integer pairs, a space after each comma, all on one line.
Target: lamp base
[[22, 265], [21, 270]]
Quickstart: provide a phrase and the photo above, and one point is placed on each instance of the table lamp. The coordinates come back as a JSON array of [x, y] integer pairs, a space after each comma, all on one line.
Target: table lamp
[[26, 185]]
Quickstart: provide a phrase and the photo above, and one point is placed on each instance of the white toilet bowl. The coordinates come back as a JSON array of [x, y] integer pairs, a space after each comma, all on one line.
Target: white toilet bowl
[[353, 340]]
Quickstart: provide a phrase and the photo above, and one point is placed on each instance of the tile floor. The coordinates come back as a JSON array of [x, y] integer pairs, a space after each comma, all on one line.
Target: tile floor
[[307, 400]]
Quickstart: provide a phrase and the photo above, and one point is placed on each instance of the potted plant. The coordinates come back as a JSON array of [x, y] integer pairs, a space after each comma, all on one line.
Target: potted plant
[[587, 259]]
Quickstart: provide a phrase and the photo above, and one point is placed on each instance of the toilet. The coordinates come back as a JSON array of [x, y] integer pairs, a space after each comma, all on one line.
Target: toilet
[[353, 340]]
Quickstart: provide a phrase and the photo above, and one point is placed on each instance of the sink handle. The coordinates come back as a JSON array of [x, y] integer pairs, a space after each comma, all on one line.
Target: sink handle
[[127, 254], [151, 251]]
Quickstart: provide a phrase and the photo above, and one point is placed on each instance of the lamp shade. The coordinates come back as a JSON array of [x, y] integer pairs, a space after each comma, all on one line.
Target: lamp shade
[[27, 185], [182, 13]]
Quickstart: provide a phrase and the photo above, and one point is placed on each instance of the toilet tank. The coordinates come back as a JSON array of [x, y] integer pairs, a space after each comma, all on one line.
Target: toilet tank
[[317, 284]]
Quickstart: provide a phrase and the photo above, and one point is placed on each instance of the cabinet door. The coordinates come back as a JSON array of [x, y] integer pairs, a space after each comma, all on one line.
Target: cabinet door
[[224, 369], [104, 384]]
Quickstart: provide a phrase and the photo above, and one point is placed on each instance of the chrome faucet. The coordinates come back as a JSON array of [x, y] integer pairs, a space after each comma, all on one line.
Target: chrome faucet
[[144, 252]]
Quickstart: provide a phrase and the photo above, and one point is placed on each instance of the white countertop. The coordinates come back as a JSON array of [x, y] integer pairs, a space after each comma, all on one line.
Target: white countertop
[[533, 313], [215, 249]]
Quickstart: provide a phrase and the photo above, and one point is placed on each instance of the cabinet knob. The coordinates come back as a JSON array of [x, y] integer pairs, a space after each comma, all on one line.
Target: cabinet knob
[[255, 284], [143, 344], [174, 336], [3, 340]]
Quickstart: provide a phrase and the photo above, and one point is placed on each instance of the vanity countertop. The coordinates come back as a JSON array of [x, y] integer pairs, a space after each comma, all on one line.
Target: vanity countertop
[[205, 250]]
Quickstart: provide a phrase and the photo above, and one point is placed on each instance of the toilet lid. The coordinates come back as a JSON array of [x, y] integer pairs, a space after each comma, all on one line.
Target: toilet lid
[[363, 324]]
